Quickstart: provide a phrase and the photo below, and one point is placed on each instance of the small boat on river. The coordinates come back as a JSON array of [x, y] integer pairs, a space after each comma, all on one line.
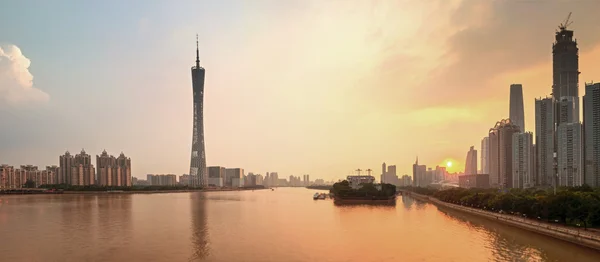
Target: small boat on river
[[317, 196]]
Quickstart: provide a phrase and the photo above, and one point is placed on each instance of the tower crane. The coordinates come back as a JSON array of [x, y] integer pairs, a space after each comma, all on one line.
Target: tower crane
[[567, 23]]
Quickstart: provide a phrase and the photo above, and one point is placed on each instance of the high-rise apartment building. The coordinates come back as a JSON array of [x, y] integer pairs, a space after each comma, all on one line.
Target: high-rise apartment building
[[570, 154], [523, 161], [591, 127], [44, 177], [500, 137], [544, 141], [485, 155], [65, 164], [471, 162], [16, 178], [516, 110], [113, 171], [25, 173], [7, 176], [124, 170], [82, 170], [198, 156], [32, 173], [105, 165], [55, 171]]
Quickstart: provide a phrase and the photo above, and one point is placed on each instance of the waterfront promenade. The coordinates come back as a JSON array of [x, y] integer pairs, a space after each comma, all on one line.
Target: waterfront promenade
[[582, 237]]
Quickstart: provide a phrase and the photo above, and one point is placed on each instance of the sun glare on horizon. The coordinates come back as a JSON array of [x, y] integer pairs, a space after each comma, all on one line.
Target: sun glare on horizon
[[452, 165]]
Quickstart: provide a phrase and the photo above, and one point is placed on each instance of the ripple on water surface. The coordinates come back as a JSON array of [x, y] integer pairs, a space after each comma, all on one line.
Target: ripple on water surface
[[261, 225]]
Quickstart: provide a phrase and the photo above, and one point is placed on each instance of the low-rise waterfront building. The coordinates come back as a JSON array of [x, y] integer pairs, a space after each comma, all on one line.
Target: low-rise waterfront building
[[216, 176], [231, 174]]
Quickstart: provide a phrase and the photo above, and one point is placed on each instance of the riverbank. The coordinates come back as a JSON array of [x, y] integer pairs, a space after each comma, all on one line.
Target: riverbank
[[39, 192], [576, 236], [160, 191], [320, 187]]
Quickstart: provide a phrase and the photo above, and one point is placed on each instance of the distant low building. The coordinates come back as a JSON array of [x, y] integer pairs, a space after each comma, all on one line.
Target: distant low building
[[282, 182], [139, 182], [185, 180], [231, 174], [259, 180], [237, 182], [474, 181], [250, 180], [216, 176], [162, 180]]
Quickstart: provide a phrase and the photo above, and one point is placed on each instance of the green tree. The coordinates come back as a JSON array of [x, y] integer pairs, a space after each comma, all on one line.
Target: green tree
[[29, 184]]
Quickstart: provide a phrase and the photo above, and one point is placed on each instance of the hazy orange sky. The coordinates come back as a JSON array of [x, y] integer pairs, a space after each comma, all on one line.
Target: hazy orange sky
[[297, 87]]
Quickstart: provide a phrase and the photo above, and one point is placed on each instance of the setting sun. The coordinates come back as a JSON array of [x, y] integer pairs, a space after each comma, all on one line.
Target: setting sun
[[452, 165]]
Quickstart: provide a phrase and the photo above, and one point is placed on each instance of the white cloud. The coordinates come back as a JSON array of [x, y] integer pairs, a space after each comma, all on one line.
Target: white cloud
[[16, 82]]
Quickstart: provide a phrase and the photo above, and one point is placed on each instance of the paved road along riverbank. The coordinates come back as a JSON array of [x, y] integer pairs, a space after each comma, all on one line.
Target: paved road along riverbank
[[577, 236]]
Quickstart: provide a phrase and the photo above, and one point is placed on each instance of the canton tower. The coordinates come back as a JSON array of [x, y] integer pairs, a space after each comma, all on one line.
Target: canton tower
[[198, 158]]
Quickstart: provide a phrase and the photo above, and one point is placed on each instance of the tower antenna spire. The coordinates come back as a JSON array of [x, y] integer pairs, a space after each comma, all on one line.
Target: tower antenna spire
[[197, 53]]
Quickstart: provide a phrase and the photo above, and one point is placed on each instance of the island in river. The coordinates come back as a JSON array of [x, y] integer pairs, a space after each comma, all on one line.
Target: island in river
[[366, 193]]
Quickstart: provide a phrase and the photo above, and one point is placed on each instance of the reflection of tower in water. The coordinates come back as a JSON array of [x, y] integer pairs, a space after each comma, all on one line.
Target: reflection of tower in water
[[407, 201], [199, 227]]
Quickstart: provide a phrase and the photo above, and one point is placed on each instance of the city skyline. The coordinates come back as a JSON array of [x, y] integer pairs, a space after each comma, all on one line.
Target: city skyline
[[251, 99]]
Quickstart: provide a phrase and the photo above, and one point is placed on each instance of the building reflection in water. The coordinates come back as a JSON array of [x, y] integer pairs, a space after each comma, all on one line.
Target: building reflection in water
[[508, 243], [200, 243], [407, 202], [77, 215], [98, 222], [115, 224]]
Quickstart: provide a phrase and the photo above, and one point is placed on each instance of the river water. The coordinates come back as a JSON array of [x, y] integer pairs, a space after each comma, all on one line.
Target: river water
[[263, 225]]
